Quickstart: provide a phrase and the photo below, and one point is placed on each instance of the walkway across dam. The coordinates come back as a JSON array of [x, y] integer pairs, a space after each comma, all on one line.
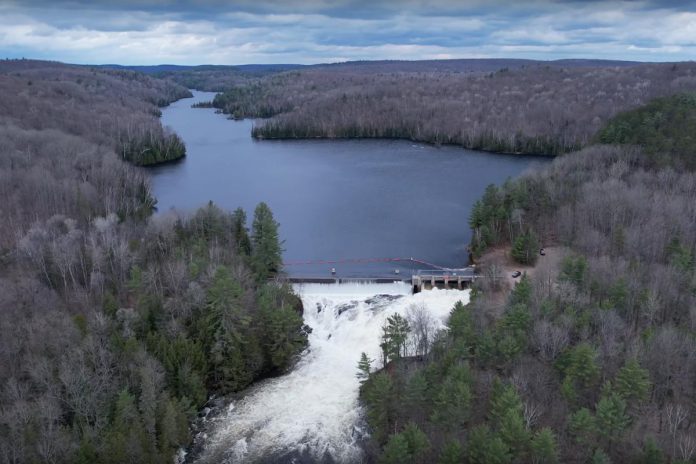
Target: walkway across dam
[[421, 279]]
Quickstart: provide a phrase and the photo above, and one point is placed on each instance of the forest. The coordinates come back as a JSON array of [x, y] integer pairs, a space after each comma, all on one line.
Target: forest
[[591, 359], [523, 107], [116, 325]]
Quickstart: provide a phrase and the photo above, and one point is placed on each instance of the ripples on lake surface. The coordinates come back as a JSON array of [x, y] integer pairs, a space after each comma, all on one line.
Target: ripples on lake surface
[[334, 199]]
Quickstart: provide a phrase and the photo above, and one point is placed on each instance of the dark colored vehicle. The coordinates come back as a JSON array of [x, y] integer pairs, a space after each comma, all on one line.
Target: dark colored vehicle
[[516, 274]]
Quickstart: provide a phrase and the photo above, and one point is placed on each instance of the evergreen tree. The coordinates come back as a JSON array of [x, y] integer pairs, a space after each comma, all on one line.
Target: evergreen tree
[[364, 367], [497, 452], [525, 248], [504, 398], [266, 250], [418, 443], [378, 398], [514, 433], [241, 234], [633, 382], [226, 328], [652, 453], [583, 426], [580, 369], [126, 439], [394, 335], [477, 444], [512, 331], [396, 450], [600, 457], [452, 402], [574, 269], [612, 418], [172, 426], [282, 336], [522, 292], [461, 326], [485, 447], [452, 453], [544, 449]]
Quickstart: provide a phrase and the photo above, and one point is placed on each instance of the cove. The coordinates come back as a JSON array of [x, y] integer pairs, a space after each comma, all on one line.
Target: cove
[[334, 199]]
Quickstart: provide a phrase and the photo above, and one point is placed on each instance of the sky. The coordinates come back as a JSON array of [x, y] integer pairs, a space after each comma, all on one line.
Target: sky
[[191, 32]]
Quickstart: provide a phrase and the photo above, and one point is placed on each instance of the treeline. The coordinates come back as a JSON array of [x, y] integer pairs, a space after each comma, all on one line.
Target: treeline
[[115, 108], [535, 109], [115, 326], [213, 78], [664, 128], [216, 78], [591, 360]]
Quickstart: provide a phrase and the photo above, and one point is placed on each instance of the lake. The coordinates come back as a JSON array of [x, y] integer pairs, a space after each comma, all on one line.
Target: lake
[[336, 200]]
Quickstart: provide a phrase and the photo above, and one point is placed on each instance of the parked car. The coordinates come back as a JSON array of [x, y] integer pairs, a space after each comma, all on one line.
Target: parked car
[[516, 274]]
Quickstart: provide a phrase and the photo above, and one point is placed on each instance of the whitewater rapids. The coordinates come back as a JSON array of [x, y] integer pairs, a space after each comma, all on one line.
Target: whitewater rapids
[[312, 413]]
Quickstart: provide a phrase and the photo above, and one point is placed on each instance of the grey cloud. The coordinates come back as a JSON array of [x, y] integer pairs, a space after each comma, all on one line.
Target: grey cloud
[[246, 31]]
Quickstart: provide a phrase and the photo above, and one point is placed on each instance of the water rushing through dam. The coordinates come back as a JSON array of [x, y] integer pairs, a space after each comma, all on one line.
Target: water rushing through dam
[[312, 413]]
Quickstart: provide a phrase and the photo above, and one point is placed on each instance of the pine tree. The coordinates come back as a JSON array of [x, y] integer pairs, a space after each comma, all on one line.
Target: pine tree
[[525, 248], [452, 453], [394, 335], [282, 336], [172, 426], [226, 327], [418, 443], [652, 453], [583, 426], [633, 382], [378, 397], [522, 293], [266, 248], [574, 269], [504, 398], [126, 439], [580, 367], [612, 417], [396, 451], [600, 457], [514, 433], [452, 402], [497, 452], [241, 234], [477, 444], [461, 328], [544, 449], [364, 367]]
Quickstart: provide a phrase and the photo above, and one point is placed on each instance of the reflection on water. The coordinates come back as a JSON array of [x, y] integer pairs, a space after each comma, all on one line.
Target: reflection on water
[[334, 199]]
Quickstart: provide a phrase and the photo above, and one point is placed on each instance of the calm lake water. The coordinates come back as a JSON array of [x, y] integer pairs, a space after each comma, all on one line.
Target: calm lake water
[[334, 199]]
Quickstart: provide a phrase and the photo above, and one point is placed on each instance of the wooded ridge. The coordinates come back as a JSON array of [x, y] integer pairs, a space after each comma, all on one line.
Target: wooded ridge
[[116, 325], [530, 108]]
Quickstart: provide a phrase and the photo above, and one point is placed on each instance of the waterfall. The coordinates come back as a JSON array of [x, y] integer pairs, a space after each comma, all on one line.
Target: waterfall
[[312, 413]]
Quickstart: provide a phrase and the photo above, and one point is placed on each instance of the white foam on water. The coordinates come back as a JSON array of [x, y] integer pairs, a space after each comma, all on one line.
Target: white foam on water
[[314, 408]]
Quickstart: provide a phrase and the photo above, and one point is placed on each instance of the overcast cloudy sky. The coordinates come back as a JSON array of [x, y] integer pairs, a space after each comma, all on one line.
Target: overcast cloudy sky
[[297, 31]]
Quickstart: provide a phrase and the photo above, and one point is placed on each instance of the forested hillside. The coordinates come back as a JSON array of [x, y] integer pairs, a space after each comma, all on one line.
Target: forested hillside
[[524, 108], [591, 360], [114, 108], [116, 325]]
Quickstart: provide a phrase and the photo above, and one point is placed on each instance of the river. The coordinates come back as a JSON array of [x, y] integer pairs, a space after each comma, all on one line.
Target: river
[[335, 200]]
